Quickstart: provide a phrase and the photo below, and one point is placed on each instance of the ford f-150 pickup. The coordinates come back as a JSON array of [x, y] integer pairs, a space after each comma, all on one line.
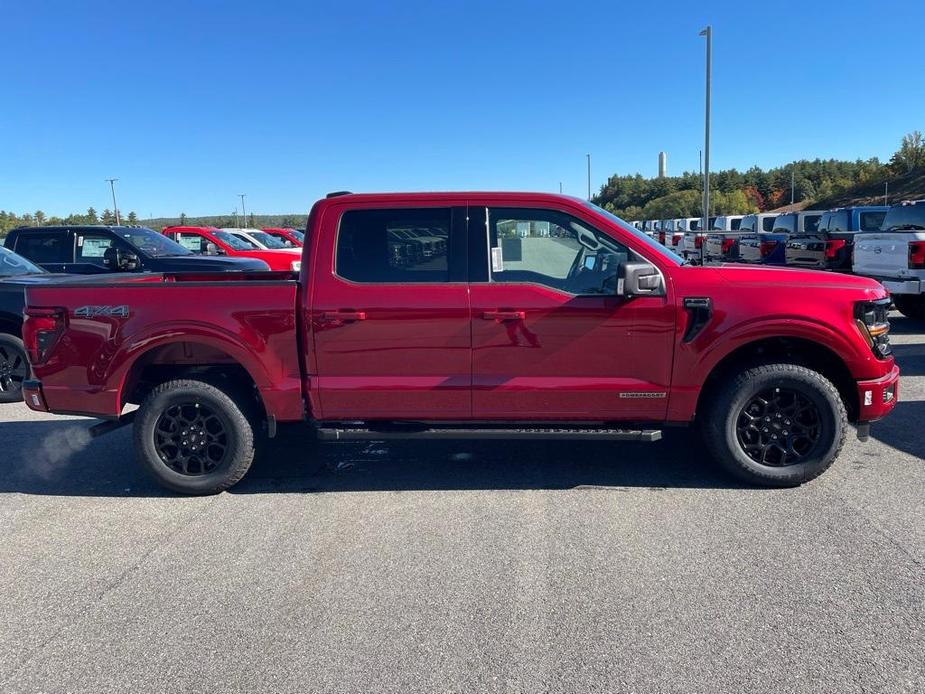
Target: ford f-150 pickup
[[545, 317]]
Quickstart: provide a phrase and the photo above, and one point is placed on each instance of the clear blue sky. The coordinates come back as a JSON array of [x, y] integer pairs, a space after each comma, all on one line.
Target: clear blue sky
[[190, 103]]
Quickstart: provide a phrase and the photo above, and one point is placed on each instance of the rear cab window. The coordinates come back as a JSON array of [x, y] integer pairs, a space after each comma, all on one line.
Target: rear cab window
[[871, 221], [905, 218]]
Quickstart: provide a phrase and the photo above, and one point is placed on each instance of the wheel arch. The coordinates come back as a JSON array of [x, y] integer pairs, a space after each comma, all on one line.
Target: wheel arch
[[788, 349]]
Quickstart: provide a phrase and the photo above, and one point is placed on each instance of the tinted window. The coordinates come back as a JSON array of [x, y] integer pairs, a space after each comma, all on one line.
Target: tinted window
[[398, 245], [838, 221], [735, 224], [747, 223], [824, 221], [902, 218], [149, 241], [871, 221], [45, 248], [811, 222], [767, 223], [553, 249], [786, 223]]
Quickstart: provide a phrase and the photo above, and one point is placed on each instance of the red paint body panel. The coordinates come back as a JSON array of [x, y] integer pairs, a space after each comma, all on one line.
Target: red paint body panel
[[393, 351], [279, 261]]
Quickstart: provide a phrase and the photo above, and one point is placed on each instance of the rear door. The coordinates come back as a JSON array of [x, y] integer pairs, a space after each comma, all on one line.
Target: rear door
[[52, 250], [390, 324], [550, 337]]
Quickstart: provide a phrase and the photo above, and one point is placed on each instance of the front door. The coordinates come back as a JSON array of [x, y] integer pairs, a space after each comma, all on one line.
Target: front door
[[389, 315], [551, 338]]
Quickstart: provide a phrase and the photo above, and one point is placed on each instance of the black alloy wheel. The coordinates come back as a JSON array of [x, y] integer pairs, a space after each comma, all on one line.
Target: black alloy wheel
[[778, 427], [191, 438]]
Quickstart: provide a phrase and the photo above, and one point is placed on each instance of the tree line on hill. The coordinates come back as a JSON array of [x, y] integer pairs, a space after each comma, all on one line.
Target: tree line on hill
[[823, 183], [756, 190]]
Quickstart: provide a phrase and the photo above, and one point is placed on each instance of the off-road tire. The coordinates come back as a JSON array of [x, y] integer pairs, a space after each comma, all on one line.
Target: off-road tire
[[238, 429], [726, 405]]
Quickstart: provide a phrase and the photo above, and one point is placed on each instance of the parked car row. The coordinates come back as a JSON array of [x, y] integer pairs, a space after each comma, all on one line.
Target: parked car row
[[814, 239]]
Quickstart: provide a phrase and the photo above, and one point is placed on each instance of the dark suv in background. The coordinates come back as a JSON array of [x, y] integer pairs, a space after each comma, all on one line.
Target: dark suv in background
[[89, 250]]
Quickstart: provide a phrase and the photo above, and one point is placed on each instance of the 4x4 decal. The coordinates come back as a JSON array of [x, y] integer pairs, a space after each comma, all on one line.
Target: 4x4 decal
[[120, 311]]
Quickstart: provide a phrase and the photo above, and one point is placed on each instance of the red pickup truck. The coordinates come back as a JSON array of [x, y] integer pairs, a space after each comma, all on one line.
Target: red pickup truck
[[468, 315], [212, 241]]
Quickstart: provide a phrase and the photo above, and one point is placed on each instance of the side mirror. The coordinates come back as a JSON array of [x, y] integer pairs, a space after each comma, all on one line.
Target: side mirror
[[126, 261], [640, 279]]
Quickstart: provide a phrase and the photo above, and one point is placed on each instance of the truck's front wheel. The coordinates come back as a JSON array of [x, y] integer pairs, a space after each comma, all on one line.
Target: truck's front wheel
[[777, 425], [910, 305], [193, 438]]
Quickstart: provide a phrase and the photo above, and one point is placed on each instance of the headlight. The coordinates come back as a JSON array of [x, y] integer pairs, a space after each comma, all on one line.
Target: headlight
[[874, 325], [296, 265]]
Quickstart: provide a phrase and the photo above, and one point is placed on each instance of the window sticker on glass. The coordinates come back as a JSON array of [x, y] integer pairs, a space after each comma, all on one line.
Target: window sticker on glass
[[497, 262], [190, 243], [94, 248]]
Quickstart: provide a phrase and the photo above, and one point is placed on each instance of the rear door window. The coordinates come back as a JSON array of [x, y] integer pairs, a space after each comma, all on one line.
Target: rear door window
[[811, 223], [785, 224], [394, 245], [39, 247], [767, 224]]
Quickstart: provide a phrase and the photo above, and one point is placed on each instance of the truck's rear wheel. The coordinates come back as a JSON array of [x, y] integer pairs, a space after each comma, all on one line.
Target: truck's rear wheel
[[14, 368], [777, 425], [910, 305], [193, 438]]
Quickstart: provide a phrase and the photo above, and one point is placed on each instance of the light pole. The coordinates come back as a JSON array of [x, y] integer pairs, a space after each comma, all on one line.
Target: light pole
[[792, 184], [886, 193], [708, 32], [112, 187], [560, 187], [589, 177], [243, 211]]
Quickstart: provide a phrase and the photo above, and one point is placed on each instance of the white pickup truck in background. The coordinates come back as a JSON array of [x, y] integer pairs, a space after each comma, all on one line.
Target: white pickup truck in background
[[895, 255]]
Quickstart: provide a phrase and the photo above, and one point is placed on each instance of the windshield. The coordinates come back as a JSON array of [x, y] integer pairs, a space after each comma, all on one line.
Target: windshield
[[635, 233], [267, 240], [297, 235], [12, 264], [236, 243], [905, 218], [150, 242]]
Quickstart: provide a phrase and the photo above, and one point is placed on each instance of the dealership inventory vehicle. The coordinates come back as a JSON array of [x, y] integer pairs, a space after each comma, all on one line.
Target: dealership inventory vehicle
[[770, 248], [895, 255], [831, 245], [292, 237], [692, 243], [591, 331], [722, 242], [92, 250], [212, 242], [757, 244], [264, 241]]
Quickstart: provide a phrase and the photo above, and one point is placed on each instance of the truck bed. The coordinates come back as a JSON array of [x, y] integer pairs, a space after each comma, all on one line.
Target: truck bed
[[115, 327]]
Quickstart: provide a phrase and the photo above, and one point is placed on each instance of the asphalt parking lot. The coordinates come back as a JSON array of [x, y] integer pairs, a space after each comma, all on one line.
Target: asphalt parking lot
[[446, 566]]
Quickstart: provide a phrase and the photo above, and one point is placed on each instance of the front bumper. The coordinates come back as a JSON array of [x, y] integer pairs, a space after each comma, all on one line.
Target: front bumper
[[877, 398]]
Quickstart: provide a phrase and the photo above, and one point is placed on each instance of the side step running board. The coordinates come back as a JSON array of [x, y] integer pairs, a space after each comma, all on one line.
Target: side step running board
[[646, 435]]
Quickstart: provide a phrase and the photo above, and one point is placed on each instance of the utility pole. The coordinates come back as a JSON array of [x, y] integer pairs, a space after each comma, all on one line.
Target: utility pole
[[112, 187], [560, 187], [708, 33], [243, 211], [792, 185], [589, 177], [886, 193]]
